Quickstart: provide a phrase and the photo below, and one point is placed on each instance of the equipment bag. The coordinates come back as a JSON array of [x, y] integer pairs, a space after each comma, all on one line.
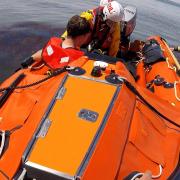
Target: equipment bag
[[152, 52]]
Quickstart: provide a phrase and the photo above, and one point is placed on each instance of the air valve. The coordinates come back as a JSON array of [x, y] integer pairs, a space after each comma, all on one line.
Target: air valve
[[96, 71]]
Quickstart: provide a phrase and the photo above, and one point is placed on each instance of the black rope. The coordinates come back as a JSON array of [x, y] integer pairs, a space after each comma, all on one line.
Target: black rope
[[34, 84], [54, 73], [4, 174], [15, 128], [134, 90]]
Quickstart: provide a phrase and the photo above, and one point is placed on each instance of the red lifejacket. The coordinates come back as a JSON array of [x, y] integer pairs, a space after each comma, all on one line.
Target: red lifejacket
[[56, 57]]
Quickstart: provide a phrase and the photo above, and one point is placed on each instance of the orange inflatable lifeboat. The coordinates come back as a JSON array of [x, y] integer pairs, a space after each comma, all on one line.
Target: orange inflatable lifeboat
[[89, 120]]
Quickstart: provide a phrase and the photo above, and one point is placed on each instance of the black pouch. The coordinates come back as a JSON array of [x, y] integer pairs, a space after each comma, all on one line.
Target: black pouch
[[152, 52]]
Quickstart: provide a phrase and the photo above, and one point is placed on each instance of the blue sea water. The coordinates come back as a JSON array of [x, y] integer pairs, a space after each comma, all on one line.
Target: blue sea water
[[26, 25]]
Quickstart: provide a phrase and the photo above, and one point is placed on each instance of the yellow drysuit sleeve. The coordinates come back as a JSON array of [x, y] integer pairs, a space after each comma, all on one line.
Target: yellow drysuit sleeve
[[116, 39]]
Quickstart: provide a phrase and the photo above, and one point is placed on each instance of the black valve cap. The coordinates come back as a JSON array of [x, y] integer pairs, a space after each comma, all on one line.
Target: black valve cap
[[96, 71], [159, 81]]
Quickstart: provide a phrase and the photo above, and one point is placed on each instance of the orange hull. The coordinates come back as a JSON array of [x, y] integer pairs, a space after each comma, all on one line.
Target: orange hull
[[164, 69], [126, 134]]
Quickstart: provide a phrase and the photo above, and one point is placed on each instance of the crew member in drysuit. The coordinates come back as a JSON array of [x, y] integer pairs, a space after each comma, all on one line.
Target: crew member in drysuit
[[57, 52], [105, 24], [127, 25]]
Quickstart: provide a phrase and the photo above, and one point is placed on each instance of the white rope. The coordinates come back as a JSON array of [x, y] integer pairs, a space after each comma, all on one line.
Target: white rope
[[153, 176], [137, 175], [160, 173], [175, 90], [176, 82], [2, 141], [170, 67]]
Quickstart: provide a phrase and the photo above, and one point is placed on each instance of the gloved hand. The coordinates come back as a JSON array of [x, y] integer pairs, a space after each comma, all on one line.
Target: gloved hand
[[27, 62], [92, 45]]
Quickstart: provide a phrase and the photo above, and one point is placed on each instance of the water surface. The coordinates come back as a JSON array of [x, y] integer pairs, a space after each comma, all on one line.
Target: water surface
[[27, 25]]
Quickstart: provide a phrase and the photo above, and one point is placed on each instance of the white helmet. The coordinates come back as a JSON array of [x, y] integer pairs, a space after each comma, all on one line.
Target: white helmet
[[113, 11], [104, 2]]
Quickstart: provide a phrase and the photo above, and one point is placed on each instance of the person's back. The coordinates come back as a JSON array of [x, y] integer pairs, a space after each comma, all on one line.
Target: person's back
[[67, 50], [58, 52]]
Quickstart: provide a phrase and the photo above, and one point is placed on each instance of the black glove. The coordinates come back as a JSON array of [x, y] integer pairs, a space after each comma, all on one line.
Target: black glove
[[27, 62]]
